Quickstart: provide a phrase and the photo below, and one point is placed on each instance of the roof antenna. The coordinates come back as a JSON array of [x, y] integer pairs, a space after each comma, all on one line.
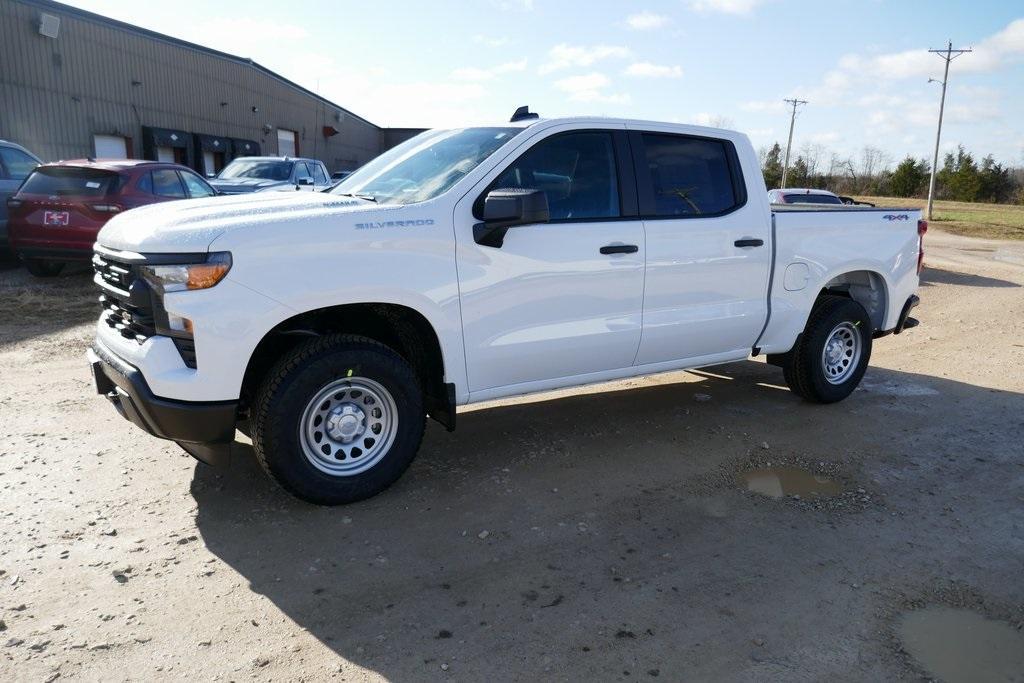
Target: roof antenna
[[523, 114]]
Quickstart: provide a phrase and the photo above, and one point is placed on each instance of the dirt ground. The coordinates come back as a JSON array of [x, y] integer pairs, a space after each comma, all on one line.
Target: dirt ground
[[600, 534]]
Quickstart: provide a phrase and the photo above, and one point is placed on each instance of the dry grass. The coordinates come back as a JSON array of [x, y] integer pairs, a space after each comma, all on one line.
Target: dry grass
[[992, 221]]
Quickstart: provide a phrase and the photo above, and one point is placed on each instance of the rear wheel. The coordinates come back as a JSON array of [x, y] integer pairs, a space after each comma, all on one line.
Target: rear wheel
[[832, 354], [43, 268], [339, 419]]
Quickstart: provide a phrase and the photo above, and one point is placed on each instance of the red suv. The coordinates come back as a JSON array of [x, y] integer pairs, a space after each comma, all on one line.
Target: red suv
[[58, 210]]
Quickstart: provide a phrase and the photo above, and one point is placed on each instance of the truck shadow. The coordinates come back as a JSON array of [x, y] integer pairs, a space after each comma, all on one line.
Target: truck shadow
[[583, 537], [939, 276]]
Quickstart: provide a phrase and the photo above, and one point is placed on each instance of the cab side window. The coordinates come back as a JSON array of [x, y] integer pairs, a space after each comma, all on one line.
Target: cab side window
[[196, 187], [301, 171], [167, 184], [17, 163], [319, 175], [690, 176], [577, 172]]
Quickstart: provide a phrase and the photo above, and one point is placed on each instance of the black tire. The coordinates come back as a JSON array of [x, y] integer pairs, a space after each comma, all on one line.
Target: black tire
[[43, 268], [804, 368], [277, 413]]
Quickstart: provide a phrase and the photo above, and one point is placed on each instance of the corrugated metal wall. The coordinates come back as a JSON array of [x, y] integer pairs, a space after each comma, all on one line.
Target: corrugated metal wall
[[95, 78]]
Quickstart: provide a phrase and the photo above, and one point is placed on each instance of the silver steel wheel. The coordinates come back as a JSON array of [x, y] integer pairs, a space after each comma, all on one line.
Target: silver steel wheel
[[348, 426], [841, 354]]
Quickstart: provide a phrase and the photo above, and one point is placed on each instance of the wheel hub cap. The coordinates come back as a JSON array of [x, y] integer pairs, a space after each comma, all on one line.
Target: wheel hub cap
[[348, 426], [841, 354], [346, 422]]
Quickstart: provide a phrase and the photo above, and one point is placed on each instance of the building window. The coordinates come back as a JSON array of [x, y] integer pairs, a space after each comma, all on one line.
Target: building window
[[287, 143], [110, 147]]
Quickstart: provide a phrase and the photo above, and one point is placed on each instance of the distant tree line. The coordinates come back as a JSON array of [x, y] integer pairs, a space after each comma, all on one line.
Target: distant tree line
[[960, 178]]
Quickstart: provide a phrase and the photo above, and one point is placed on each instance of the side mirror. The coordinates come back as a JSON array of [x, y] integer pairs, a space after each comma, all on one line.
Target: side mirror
[[304, 181], [507, 208]]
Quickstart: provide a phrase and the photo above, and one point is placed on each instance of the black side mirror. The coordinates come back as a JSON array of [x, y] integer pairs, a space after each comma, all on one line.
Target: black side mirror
[[507, 208], [304, 181]]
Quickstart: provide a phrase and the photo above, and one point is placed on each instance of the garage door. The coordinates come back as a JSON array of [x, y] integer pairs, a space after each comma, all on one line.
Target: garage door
[[110, 147], [287, 143]]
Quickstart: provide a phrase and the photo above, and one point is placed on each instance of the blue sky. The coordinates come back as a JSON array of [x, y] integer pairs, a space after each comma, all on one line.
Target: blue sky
[[863, 65]]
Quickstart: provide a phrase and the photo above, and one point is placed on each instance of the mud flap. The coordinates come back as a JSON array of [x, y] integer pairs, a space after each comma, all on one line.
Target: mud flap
[[214, 454]]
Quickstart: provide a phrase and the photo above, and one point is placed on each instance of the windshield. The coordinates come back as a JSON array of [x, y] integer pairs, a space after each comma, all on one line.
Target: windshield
[[254, 168], [812, 199], [425, 166]]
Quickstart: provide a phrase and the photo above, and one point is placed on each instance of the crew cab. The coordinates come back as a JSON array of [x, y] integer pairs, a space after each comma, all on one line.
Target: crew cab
[[473, 264]]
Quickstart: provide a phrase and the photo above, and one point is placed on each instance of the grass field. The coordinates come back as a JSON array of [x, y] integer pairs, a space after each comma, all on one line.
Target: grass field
[[992, 221]]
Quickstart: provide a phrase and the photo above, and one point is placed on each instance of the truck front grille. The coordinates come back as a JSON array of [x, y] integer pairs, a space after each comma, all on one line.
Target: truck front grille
[[130, 321], [130, 305], [126, 300]]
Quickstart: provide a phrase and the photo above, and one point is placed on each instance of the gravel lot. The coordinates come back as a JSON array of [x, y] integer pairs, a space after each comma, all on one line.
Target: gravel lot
[[604, 535]]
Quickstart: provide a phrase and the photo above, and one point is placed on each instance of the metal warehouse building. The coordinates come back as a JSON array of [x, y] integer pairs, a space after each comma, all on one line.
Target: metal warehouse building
[[75, 84]]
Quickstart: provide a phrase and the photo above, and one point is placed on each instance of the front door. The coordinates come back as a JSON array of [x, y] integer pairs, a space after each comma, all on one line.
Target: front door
[[548, 303], [708, 249]]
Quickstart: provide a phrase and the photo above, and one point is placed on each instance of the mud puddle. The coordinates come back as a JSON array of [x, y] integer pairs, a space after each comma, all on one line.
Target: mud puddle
[[778, 482], [960, 645]]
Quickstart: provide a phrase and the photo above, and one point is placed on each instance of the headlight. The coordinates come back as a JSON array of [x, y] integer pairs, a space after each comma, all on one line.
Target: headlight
[[179, 278]]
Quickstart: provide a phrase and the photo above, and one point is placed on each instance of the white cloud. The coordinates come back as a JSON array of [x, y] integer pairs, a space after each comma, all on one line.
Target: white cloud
[[491, 41], [475, 73], [649, 70], [590, 88], [646, 21], [712, 120], [564, 56], [725, 6]]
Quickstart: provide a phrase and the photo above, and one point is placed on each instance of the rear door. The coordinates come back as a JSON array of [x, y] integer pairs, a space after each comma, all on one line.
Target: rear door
[[708, 249], [558, 299]]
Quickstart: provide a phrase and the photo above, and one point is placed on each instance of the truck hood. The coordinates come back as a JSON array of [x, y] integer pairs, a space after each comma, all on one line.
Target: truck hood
[[238, 185], [191, 225]]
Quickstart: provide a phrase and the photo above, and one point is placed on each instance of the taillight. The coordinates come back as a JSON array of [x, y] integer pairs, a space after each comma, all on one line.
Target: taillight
[[922, 228], [105, 208]]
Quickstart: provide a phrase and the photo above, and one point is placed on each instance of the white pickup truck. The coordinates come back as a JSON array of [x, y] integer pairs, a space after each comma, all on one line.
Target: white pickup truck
[[471, 264]]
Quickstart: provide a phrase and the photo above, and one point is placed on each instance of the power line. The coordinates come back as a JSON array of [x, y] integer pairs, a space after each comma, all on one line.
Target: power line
[[948, 55], [792, 119]]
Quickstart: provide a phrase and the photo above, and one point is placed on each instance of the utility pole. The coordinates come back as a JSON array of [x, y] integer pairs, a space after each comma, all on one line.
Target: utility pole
[[792, 119], [948, 55]]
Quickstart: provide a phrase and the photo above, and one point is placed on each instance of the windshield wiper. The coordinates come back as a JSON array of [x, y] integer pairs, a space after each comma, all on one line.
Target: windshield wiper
[[367, 197]]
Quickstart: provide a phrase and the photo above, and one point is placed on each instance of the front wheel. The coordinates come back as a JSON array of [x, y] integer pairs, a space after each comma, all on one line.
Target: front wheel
[[338, 419], [832, 354], [43, 268]]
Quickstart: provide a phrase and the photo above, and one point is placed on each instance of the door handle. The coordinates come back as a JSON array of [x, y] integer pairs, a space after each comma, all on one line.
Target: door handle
[[620, 249], [748, 242]]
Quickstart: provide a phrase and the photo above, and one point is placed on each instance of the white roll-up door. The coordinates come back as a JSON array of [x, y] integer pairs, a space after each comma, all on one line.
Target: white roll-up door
[[110, 147]]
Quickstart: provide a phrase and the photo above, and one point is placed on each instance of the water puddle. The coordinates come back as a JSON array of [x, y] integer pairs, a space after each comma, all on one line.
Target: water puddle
[[959, 645], [777, 482]]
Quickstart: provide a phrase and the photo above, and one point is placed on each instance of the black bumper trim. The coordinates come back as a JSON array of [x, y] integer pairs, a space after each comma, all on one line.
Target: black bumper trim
[[211, 422]]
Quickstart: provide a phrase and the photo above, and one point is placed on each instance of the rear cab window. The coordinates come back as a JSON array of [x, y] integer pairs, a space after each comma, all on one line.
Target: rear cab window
[[66, 181], [805, 198], [687, 176]]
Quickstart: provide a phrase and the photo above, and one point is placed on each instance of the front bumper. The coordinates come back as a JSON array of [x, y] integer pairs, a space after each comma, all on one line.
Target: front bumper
[[199, 427]]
